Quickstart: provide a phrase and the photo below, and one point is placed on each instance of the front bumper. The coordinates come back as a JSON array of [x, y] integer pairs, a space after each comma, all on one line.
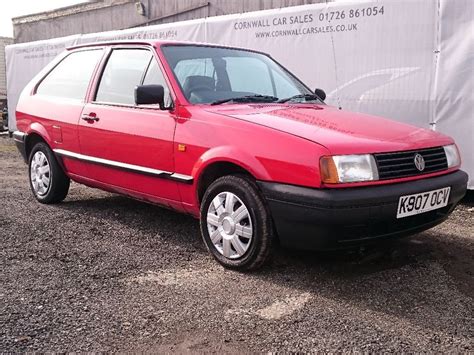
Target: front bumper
[[319, 219]]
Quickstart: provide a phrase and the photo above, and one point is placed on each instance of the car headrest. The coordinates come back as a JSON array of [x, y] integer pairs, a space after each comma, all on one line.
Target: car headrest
[[198, 82]]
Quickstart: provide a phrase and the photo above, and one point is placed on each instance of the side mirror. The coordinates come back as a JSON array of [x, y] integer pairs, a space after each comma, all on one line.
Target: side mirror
[[320, 93], [150, 95]]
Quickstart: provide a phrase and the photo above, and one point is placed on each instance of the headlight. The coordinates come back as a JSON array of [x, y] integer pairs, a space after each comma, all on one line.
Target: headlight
[[348, 168], [452, 155]]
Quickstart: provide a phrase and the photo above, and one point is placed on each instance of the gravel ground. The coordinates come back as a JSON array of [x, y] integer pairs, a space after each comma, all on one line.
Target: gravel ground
[[100, 272]]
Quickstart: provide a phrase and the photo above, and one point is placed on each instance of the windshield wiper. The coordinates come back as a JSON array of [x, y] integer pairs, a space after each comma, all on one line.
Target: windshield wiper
[[248, 98], [300, 96]]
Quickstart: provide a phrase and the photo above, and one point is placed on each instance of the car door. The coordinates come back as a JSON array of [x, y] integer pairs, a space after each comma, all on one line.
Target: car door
[[126, 146]]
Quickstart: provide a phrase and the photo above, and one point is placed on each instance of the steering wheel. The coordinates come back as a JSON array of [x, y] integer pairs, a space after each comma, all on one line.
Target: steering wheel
[[198, 88]]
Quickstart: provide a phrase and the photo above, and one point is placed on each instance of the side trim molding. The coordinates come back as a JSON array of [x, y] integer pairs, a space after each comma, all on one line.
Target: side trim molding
[[129, 167]]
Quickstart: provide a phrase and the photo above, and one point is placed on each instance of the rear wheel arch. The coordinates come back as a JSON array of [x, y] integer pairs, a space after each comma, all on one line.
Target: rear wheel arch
[[36, 133], [31, 140]]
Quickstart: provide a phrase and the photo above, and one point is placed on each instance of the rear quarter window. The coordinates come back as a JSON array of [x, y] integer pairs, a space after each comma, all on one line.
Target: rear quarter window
[[71, 77]]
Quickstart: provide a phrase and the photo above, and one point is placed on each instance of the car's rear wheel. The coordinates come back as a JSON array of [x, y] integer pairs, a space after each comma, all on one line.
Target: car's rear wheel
[[48, 182], [235, 223]]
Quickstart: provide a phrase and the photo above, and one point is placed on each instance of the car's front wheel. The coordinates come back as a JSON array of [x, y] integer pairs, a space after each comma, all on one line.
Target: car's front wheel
[[235, 223], [48, 182]]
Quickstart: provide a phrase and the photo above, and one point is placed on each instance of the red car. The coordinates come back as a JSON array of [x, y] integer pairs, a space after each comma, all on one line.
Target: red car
[[231, 137]]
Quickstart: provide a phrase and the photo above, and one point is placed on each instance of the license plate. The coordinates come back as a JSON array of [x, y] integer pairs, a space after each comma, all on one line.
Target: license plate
[[410, 205]]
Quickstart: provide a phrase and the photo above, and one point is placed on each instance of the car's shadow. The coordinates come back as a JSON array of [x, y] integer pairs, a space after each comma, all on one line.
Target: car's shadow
[[182, 229], [394, 278]]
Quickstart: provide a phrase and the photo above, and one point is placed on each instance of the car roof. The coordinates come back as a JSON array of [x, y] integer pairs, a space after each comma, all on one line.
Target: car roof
[[154, 43]]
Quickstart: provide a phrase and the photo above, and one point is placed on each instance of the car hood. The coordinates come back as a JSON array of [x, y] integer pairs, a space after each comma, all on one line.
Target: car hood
[[339, 131]]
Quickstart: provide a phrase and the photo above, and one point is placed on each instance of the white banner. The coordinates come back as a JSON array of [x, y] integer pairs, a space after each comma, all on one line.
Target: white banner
[[411, 61], [453, 109], [193, 31]]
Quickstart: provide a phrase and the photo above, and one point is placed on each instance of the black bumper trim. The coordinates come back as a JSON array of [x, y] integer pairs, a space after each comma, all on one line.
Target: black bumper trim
[[333, 218], [20, 139]]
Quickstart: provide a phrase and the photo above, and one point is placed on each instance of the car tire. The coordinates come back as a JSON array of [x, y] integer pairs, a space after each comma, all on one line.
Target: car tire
[[235, 223], [48, 181]]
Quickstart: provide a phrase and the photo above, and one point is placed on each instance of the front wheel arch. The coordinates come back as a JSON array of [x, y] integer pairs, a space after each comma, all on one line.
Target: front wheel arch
[[216, 170]]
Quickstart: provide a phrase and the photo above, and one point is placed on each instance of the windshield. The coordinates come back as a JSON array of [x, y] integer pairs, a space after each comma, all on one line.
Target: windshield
[[217, 75]]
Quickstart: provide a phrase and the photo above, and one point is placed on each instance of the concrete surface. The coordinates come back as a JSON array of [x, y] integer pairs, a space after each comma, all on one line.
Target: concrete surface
[[100, 272]]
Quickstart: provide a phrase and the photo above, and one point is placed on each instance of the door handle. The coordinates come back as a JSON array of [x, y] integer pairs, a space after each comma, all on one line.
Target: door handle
[[90, 117]]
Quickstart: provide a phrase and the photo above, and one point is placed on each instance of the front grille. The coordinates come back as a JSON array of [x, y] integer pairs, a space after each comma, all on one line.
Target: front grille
[[402, 164]]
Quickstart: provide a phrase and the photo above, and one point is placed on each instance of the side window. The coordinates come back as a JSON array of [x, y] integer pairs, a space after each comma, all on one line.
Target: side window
[[249, 75], [155, 76], [71, 77], [123, 71]]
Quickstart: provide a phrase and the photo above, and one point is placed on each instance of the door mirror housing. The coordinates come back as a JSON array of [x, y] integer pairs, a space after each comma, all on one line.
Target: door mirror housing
[[150, 95], [320, 93]]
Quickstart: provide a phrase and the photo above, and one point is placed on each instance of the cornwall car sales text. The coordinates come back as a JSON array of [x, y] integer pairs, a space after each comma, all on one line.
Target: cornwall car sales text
[[309, 18], [276, 22]]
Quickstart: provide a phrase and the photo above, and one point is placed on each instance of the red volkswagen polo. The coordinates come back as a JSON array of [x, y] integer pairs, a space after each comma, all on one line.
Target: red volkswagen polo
[[231, 137]]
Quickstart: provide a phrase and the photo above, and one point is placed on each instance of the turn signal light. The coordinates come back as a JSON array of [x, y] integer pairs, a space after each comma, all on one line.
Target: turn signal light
[[328, 171]]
